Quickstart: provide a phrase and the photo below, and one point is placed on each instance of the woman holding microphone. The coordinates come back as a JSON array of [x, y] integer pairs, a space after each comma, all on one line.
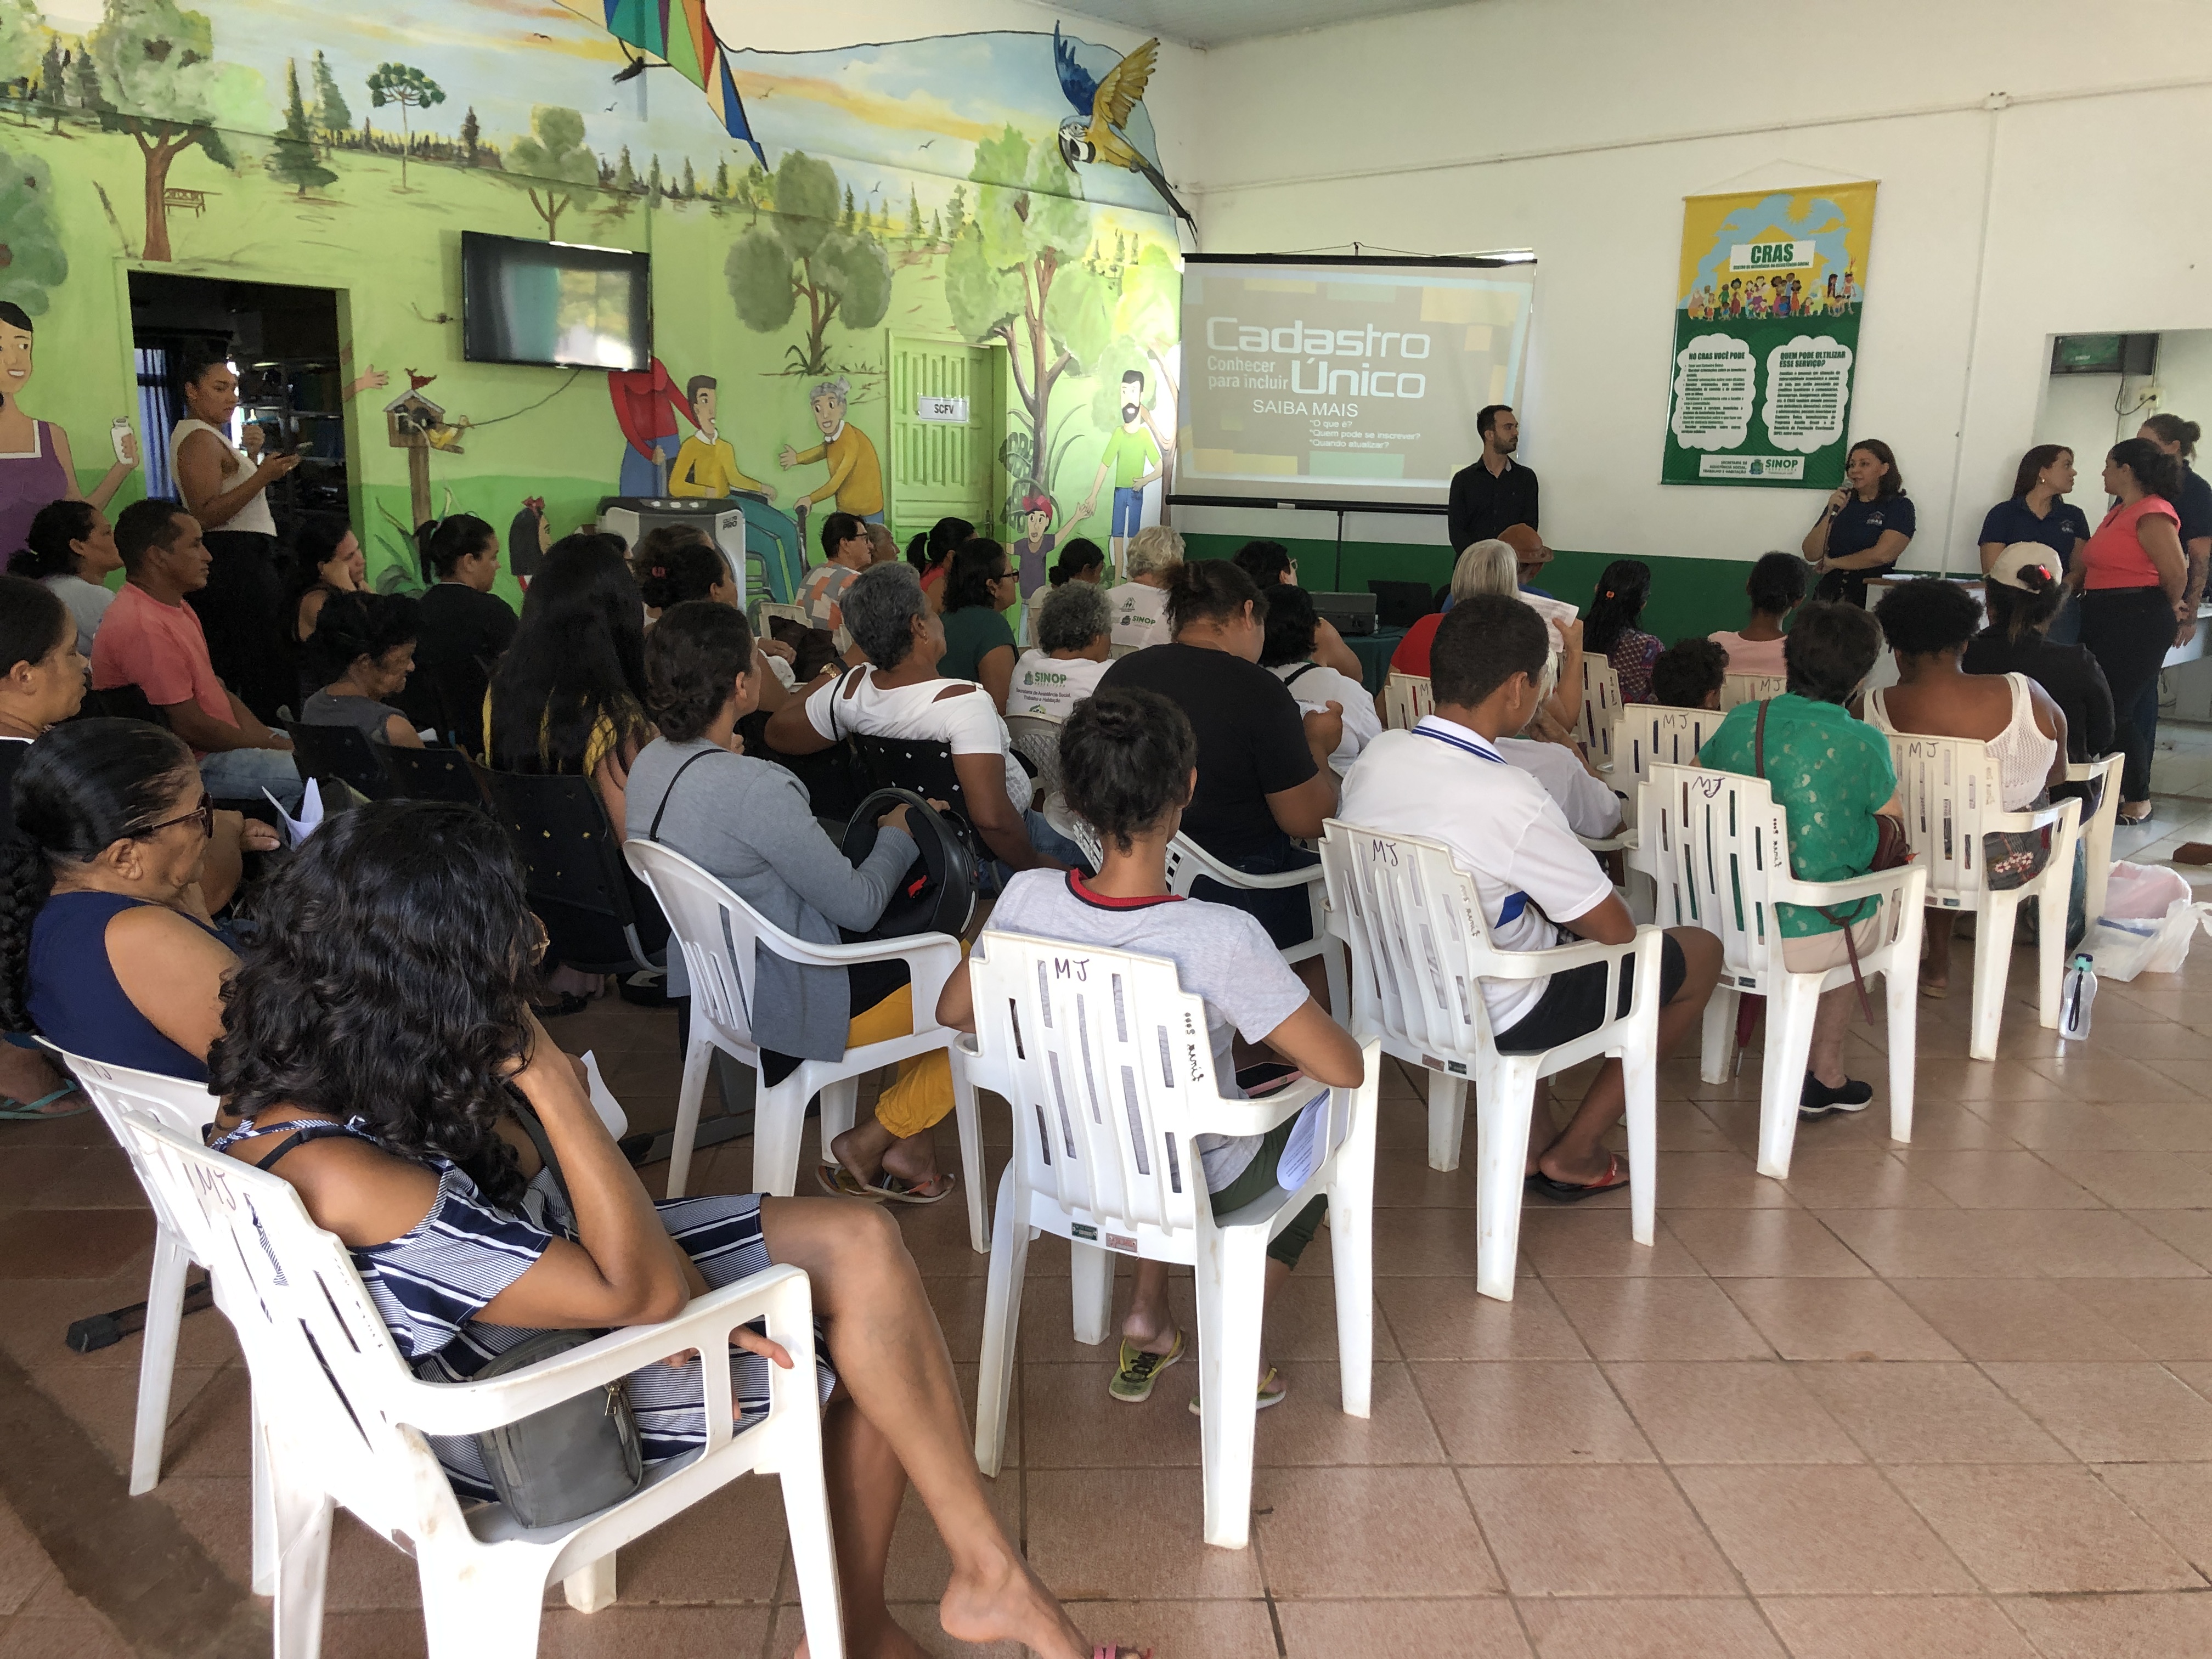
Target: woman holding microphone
[[225, 488], [1865, 527], [2132, 576]]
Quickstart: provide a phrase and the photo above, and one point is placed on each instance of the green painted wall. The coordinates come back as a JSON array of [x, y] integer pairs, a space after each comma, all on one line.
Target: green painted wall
[[1688, 596]]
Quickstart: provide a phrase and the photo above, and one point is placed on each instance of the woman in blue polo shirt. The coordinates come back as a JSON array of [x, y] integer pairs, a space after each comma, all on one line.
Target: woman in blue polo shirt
[[1862, 532], [2040, 512]]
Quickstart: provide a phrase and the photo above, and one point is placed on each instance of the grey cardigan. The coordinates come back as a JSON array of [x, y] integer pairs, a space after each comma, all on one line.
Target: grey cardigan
[[750, 823]]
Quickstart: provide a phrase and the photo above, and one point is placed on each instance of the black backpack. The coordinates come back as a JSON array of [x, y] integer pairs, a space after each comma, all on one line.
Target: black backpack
[[937, 894]]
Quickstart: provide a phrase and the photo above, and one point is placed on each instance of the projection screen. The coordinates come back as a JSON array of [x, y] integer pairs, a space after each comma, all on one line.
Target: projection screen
[[1334, 382]]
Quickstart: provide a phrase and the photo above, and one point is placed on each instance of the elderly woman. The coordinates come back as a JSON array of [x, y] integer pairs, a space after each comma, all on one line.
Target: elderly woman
[[1075, 637], [1140, 604], [1834, 778], [1929, 625], [904, 697], [405, 925], [1494, 567]]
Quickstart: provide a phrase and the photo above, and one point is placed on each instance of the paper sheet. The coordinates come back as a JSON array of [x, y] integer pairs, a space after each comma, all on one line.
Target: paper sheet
[[603, 1098], [311, 814]]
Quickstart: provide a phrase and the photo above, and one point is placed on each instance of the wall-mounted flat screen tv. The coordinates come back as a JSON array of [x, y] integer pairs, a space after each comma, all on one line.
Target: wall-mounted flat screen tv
[[555, 303]]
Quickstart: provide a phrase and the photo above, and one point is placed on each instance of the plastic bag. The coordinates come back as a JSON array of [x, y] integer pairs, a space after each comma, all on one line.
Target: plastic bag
[[2143, 892], [2124, 947]]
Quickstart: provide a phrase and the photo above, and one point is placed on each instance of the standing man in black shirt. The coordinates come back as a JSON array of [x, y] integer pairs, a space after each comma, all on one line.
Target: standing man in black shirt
[[1496, 491]]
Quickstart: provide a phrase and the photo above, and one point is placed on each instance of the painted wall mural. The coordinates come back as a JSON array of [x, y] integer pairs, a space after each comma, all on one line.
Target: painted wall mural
[[836, 235]]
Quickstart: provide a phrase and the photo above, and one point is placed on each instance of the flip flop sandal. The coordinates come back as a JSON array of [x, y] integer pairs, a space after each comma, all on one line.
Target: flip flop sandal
[[1135, 1371], [13, 1110], [2123, 817], [887, 1187], [1116, 1650], [1568, 1192], [1271, 1390]]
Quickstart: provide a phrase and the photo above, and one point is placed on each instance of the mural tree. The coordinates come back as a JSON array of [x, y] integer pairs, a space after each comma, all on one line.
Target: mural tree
[[408, 88], [23, 44], [1015, 274], [293, 158], [31, 262], [555, 154], [332, 114], [800, 253], [157, 62]]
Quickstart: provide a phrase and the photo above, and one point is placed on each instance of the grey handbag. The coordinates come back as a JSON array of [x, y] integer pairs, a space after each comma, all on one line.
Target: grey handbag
[[570, 1460]]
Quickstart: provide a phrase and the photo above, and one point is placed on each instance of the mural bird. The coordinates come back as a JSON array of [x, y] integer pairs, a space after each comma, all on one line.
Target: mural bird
[[1094, 132]]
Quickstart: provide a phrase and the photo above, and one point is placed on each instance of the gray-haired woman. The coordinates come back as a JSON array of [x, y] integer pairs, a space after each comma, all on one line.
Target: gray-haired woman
[[905, 698], [1075, 637]]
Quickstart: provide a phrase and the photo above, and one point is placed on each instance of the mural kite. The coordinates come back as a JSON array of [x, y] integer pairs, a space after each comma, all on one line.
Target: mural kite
[[1094, 132], [679, 33]]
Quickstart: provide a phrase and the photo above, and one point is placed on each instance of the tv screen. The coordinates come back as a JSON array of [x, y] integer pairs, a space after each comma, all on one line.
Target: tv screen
[[554, 303]]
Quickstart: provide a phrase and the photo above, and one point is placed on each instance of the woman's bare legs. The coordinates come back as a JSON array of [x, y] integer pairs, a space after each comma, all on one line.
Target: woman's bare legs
[[867, 1486], [1936, 951], [1825, 1059], [891, 1354]]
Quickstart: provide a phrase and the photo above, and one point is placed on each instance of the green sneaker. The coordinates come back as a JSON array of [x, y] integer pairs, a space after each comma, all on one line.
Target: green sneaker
[[1137, 1371]]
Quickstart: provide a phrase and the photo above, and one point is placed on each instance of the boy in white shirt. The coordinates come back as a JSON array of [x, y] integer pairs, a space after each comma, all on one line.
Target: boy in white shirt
[[1445, 780], [1129, 761]]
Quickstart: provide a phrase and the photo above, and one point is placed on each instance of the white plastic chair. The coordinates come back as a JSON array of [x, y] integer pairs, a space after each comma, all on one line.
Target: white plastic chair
[[719, 935], [1601, 708], [1717, 846], [1187, 862], [1751, 688], [2097, 828], [1105, 1059], [1648, 734], [1950, 791], [1420, 947], [343, 1419], [1038, 739], [771, 611], [1406, 699]]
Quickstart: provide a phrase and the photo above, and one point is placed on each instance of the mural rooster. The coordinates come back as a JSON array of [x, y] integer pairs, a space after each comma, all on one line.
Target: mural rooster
[[1094, 132]]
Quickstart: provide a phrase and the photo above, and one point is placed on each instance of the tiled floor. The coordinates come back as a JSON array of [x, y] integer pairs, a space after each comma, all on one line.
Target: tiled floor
[[1950, 1399]]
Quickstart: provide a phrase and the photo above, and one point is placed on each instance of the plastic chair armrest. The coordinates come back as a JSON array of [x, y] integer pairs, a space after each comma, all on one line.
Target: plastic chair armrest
[[782, 1296], [2084, 771], [1875, 884], [1257, 1117], [1540, 964]]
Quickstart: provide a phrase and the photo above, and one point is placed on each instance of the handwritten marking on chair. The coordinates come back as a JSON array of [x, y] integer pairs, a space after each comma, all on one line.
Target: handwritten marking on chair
[[1707, 786], [1074, 967]]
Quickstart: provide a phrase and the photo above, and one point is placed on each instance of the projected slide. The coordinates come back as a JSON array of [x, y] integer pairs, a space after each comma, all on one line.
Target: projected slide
[[1343, 380]]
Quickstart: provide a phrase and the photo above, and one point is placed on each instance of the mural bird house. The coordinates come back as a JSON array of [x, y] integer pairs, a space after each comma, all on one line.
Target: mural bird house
[[416, 425]]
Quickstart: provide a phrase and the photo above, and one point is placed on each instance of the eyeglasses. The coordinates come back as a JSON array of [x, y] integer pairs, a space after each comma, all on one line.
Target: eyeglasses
[[203, 815], [1004, 576]]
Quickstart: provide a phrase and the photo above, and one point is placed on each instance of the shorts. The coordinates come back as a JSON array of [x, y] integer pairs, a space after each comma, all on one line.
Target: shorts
[[1573, 1003], [1128, 511]]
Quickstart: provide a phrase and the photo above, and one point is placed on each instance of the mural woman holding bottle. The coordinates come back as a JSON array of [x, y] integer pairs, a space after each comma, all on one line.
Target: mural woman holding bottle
[[35, 464]]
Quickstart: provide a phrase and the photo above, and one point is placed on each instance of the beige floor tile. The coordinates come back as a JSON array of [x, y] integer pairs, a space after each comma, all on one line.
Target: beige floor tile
[[1998, 1180], [2140, 1180], [24, 1566], [1731, 1412], [2189, 1231], [1330, 1533], [2174, 1498], [2021, 1528], [1929, 1413], [2166, 1318], [1658, 1319], [2107, 1626], [2022, 1319], [1764, 1245], [1529, 1411], [2058, 1122], [1588, 1242], [1174, 1630], [1403, 1180], [1709, 1629], [79, 1636], [1984, 1080], [2006, 1244], [1716, 1181], [1483, 1627], [1895, 1627], [1867, 1180], [1446, 1319], [2111, 1414], [2100, 1076], [1617, 1531], [1301, 1317], [1856, 1319], [1079, 1548], [1423, 1244], [1812, 1531], [1309, 1427]]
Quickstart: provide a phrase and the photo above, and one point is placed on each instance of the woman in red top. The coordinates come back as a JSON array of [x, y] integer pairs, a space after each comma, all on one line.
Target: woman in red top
[[2131, 576], [1493, 567]]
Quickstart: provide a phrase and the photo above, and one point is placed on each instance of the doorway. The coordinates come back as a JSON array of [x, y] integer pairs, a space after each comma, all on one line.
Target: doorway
[[285, 342], [944, 465]]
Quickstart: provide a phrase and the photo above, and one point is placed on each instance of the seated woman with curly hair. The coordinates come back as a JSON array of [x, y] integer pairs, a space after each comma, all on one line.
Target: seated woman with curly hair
[[374, 1041]]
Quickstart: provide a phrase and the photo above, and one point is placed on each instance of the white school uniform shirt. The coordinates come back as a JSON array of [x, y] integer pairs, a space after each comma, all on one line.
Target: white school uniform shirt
[[1051, 687], [967, 725], [1315, 685], [1446, 783], [1140, 615], [1592, 808]]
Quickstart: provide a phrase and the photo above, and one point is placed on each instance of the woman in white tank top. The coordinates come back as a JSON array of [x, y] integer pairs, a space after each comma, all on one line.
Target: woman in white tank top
[[1928, 623], [226, 491]]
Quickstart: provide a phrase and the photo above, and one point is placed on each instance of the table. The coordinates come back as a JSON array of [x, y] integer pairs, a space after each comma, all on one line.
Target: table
[[1374, 651]]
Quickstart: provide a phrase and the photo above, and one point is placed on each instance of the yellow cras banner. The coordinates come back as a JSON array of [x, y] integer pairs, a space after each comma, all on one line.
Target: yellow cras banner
[[1766, 334]]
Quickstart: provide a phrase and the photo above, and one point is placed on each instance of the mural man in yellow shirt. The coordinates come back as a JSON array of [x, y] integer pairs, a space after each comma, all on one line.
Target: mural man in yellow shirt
[[706, 464], [856, 477]]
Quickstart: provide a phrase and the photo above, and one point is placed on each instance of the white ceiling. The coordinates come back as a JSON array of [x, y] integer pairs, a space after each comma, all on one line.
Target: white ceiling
[[1220, 22]]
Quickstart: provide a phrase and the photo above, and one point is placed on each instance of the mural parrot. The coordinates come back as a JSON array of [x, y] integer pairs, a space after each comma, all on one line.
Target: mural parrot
[[1094, 132]]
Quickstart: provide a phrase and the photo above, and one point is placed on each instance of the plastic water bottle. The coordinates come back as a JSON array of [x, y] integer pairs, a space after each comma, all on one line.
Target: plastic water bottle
[[2076, 997]]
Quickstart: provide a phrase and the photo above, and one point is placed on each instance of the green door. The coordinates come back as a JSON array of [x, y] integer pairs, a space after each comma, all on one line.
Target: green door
[[943, 467]]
